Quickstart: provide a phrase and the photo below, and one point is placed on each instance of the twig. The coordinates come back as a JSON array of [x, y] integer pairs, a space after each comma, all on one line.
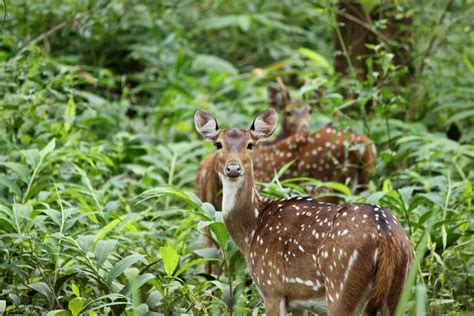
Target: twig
[[382, 38], [343, 45], [46, 34]]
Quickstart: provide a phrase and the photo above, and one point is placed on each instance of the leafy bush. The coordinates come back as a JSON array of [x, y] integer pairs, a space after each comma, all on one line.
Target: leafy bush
[[98, 153]]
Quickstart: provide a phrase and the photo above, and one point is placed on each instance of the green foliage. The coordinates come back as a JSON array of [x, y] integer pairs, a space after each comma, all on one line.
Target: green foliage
[[98, 152]]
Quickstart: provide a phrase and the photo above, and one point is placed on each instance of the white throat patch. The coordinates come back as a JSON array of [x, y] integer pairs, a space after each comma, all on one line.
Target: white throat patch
[[230, 189]]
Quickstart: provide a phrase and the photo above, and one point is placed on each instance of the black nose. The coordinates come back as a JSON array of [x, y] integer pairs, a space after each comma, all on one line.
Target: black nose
[[233, 170]]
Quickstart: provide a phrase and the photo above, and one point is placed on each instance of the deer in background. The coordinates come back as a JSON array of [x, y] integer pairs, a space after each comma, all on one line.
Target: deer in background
[[304, 254]]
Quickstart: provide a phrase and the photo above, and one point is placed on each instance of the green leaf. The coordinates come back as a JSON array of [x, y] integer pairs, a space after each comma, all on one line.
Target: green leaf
[[211, 62], [106, 229], [42, 288], [220, 22], [137, 283], [75, 305], [75, 290], [19, 169], [58, 312], [221, 233], [103, 250], [375, 197], [32, 157], [4, 181], [317, 58], [468, 63], [48, 149], [170, 259], [3, 305], [192, 263], [120, 266], [69, 114]]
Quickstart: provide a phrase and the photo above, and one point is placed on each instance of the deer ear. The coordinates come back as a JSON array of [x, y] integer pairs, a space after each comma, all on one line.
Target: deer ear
[[275, 98], [278, 98], [264, 124], [206, 125]]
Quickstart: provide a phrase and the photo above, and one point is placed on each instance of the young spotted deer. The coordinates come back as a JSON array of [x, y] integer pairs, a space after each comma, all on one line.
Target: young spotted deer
[[296, 120], [301, 253]]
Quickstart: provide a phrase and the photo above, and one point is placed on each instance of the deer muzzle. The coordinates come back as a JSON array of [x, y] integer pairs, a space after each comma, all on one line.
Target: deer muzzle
[[233, 169]]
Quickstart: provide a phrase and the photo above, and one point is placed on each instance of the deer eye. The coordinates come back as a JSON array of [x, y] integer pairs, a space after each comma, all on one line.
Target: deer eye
[[287, 113], [250, 146], [310, 111], [218, 145]]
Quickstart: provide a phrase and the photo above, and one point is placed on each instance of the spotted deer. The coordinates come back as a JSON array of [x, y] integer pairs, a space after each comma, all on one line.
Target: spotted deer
[[327, 154], [304, 254], [296, 119]]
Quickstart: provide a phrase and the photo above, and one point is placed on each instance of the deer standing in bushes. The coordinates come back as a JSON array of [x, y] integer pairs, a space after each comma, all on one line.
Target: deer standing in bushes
[[296, 120], [324, 155], [304, 254], [327, 154]]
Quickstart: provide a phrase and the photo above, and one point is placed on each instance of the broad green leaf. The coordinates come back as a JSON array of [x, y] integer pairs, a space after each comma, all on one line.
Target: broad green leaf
[[421, 300], [69, 114], [12, 186], [103, 250], [137, 283], [344, 189], [468, 63], [3, 305], [85, 242], [120, 266], [170, 259], [192, 263], [75, 290], [32, 157], [75, 305], [220, 232], [42, 288], [220, 22], [19, 169], [48, 149], [317, 58], [211, 62], [375, 197], [106, 229]]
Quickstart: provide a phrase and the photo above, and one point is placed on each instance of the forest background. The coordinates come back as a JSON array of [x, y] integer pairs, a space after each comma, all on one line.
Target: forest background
[[98, 154]]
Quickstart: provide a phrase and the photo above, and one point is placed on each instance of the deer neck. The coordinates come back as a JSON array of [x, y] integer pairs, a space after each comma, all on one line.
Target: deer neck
[[241, 205]]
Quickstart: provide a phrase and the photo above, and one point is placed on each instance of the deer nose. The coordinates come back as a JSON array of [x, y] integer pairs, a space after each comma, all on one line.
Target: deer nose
[[233, 169]]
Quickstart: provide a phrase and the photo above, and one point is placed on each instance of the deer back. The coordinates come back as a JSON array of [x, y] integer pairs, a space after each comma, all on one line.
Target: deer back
[[327, 155]]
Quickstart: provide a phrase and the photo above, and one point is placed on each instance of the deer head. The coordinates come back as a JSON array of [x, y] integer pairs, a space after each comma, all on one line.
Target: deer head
[[297, 115], [235, 145]]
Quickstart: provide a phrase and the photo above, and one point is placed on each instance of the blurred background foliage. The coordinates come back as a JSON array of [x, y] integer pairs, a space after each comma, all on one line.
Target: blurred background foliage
[[98, 152]]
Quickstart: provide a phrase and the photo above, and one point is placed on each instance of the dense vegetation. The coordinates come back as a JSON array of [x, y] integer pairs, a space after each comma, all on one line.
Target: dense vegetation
[[98, 152]]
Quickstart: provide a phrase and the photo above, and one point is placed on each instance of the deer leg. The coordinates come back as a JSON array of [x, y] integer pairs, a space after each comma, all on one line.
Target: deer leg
[[347, 273], [275, 306]]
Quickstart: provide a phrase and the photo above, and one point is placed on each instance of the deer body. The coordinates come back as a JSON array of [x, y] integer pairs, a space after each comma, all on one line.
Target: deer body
[[326, 154], [302, 253]]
